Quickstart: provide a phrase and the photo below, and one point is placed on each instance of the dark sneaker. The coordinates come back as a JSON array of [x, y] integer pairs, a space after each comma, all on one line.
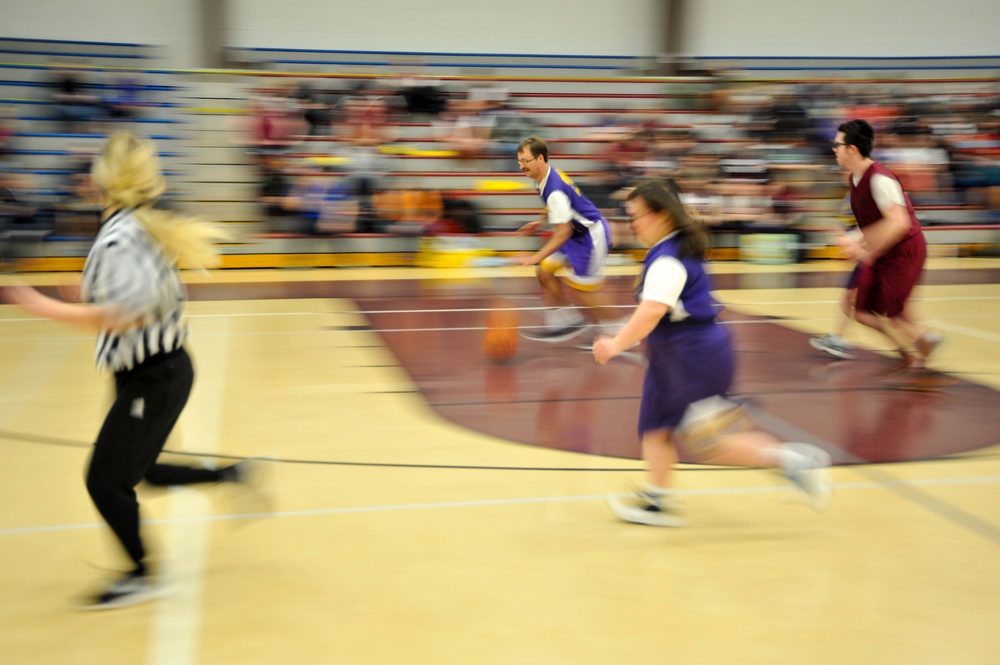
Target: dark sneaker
[[132, 589], [646, 508], [252, 476], [553, 334], [835, 346]]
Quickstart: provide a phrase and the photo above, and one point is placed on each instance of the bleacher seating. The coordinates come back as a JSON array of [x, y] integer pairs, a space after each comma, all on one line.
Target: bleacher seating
[[197, 118], [46, 149]]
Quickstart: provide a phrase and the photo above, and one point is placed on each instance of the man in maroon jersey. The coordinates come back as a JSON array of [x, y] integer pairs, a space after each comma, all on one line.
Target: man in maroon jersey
[[891, 250]]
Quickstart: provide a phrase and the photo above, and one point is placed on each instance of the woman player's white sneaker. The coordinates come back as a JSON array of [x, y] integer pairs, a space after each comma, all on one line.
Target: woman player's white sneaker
[[647, 508], [813, 477]]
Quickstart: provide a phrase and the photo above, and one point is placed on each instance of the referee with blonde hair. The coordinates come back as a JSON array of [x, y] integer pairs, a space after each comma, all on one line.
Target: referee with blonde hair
[[133, 296]]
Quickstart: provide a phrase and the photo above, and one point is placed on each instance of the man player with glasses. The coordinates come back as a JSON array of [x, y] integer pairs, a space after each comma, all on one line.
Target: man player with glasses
[[577, 250], [890, 250]]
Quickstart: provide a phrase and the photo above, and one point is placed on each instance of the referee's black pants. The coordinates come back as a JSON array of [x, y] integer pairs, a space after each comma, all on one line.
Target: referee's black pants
[[149, 400]]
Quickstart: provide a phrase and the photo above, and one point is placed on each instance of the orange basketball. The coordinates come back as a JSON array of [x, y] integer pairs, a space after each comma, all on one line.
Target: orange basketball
[[500, 341]]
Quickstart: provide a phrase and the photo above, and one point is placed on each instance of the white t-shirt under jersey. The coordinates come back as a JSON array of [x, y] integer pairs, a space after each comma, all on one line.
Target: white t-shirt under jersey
[[886, 192]]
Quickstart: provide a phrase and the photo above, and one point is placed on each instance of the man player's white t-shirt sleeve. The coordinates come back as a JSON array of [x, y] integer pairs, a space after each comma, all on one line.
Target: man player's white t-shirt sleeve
[[559, 208], [887, 193]]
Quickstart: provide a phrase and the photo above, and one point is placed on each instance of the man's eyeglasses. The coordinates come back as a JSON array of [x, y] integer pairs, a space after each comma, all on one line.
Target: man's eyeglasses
[[525, 162], [834, 144]]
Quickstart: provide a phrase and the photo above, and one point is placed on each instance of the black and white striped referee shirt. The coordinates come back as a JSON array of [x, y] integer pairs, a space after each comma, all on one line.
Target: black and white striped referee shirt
[[127, 269]]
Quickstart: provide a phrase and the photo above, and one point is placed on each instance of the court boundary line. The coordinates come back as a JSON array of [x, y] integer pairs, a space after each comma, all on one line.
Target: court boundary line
[[890, 483]]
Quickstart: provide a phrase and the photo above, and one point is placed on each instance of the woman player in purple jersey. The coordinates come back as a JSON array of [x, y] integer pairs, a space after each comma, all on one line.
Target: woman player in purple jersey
[[691, 369]]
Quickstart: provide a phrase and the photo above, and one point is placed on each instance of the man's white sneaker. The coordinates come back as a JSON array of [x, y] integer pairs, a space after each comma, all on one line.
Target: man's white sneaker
[[833, 345], [553, 335]]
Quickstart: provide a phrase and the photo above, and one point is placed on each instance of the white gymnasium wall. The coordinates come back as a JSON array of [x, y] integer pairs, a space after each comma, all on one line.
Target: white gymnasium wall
[[605, 27], [611, 27], [169, 23], [869, 28]]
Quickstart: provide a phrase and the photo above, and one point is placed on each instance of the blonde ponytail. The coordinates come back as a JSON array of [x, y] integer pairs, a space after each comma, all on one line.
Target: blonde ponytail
[[128, 173]]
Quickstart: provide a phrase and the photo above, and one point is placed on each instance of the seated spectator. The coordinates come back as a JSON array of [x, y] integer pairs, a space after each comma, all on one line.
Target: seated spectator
[[314, 110], [365, 115], [877, 108], [746, 192], [21, 210], [513, 122], [79, 160], [6, 137], [612, 127], [17, 210], [126, 99], [459, 215], [703, 204], [79, 214], [408, 211], [324, 204], [75, 104], [275, 122], [790, 118], [423, 95], [624, 154], [275, 186], [921, 164], [469, 123]]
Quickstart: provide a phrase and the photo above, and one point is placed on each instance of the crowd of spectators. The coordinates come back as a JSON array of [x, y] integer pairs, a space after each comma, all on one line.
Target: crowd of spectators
[[82, 101], [749, 156], [85, 99]]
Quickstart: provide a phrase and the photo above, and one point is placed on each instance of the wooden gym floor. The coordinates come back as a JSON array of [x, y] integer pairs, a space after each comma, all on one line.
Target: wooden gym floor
[[428, 506]]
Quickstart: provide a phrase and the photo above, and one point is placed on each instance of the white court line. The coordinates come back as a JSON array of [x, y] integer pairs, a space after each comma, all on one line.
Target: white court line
[[250, 333], [715, 491], [239, 315], [827, 302], [490, 309], [970, 332], [463, 310], [447, 329], [174, 634]]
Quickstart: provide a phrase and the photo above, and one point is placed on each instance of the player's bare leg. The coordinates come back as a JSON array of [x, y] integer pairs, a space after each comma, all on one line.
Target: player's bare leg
[[562, 320], [718, 431], [896, 335], [552, 294]]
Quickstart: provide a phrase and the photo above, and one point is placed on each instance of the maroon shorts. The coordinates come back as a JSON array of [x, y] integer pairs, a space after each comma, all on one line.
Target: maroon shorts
[[884, 286]]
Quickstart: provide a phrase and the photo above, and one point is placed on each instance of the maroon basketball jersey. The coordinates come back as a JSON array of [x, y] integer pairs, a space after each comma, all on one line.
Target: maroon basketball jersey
[[863, 203]]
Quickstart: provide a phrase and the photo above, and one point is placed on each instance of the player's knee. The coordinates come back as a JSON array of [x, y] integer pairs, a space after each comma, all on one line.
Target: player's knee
[[548, 266], [707, 424]]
